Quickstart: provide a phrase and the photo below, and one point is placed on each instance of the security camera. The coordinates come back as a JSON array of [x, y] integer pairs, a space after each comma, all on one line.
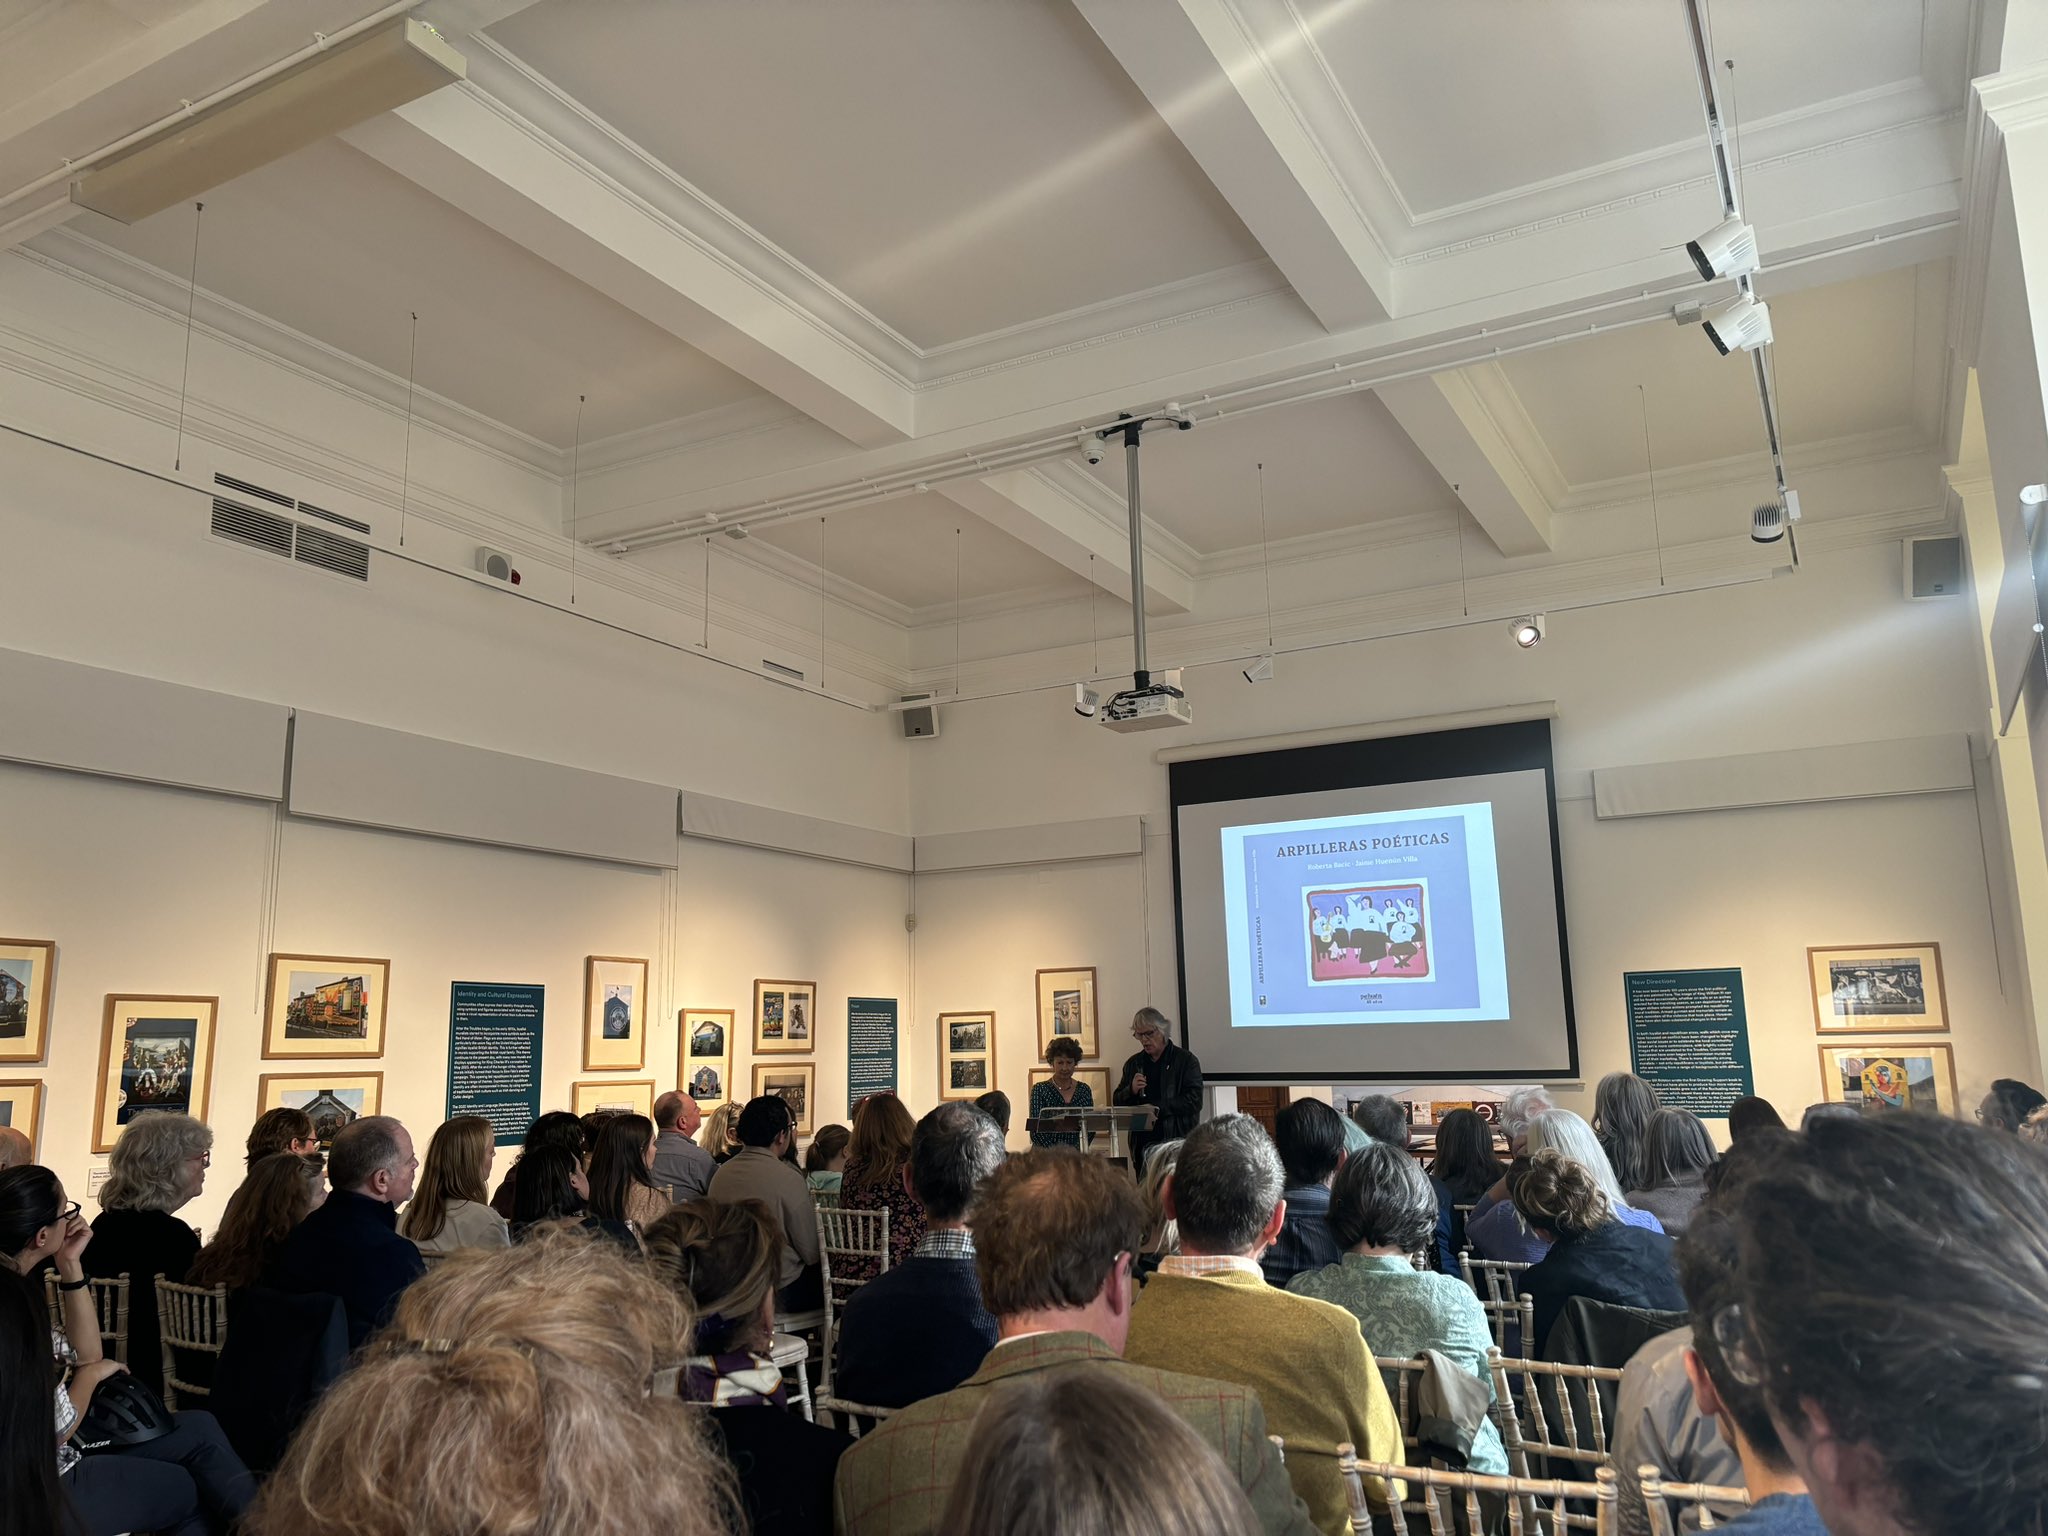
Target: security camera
[[1260, 671], [1726, 250], [1086, 701], [1527, 630], [1741, 325], [1092, 449]]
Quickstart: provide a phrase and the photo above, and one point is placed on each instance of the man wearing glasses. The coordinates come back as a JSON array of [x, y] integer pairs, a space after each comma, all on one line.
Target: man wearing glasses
[[1164, 1075]]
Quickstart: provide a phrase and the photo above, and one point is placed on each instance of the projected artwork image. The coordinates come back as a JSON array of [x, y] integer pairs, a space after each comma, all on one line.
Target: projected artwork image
[[1357, 931]]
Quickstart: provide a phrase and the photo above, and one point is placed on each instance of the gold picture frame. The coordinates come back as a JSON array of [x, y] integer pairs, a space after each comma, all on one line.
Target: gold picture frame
[[614, 1013], [325, 1008], [705, 1073], [624, 1095], [1874, 989], [333, 1099], [28, 970], [967, 1054], [785, 1018], [156, 1053], [796, 1082], [1887, 1075], [21, 1109], [1066, 1006]]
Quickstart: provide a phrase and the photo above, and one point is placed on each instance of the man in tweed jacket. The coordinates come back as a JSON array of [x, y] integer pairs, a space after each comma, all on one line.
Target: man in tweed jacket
[[1054, 1233]]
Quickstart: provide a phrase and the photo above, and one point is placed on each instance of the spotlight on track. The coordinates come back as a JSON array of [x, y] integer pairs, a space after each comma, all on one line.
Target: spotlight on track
[[1767, 524], [1527, 631], [1086, 701], [1726, 250], [1260, 671], [1741, 325]]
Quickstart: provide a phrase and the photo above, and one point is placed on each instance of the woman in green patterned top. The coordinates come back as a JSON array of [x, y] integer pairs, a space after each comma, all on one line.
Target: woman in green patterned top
[[1061, 1090]]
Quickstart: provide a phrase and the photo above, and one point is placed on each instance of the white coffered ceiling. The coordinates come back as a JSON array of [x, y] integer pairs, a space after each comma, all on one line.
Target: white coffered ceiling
[[818, 255]]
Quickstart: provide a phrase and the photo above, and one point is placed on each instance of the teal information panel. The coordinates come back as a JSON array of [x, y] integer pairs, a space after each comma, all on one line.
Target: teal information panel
[[1688, 1037], [494, 1054], [870, 1048]]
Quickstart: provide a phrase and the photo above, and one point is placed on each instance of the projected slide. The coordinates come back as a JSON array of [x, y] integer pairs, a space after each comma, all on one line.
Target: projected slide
[[1390, 917]]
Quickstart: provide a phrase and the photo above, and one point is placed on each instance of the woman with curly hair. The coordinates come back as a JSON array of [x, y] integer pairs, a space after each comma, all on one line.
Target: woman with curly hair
[[1591, 1252], [158, 1166]]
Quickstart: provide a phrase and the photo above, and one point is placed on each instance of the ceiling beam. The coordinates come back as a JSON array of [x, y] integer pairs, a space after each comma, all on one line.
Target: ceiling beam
[[1214, 74], [1472, 428]]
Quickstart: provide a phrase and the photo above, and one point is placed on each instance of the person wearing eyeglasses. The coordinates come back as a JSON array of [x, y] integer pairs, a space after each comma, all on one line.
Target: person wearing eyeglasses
[[1161, 1074], [157, 1168]]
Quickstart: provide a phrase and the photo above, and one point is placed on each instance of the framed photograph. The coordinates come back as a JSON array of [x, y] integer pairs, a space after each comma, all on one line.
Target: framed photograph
[[625, 1097], [1066, 1006], [794, 1081], [704, 1055], [27, 966], [324, 1006], [1874, 988], [1888, 1076], [21, 1109], [333, 1099], [967, 1054], [614, 1014], [1097, 1079], [156, 1056], [785, 1018]]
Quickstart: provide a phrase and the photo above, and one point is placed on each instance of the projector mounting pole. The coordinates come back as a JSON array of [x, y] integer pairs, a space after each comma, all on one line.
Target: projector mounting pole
[[1130, 428]]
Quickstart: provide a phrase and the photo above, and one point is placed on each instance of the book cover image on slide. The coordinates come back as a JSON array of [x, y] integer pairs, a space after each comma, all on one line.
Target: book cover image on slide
[[1360, 931]]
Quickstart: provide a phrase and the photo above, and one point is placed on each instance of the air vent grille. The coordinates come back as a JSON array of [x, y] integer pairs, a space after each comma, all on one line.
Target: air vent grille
[[252, 490], [246, 525], [335, 518], [777, 669], [344, 557]]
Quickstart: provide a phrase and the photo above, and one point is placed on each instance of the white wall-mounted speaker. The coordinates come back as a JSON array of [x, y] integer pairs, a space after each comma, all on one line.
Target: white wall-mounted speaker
[[497, 565], [1934, 568], [920, 716]]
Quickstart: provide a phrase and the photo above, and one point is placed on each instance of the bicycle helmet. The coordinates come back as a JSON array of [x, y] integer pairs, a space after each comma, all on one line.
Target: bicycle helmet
[[123, 1412]]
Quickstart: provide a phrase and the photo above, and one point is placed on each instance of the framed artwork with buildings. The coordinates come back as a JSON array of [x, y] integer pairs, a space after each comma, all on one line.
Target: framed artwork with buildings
[[27, 968], [324, 1007], [785, 1018], [619, 1096], [967, 1054], [1890, 1076], [331, 1099], [796, 1083], [156, 1057], [1066, 1006], [704, 1055], [614, 1014], [21, 1109], [1873, 988]]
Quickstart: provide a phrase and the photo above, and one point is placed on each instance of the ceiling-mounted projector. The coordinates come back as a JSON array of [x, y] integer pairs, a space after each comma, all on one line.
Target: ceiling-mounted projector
[[1726, 250], [1151, 708], [1741, 325]]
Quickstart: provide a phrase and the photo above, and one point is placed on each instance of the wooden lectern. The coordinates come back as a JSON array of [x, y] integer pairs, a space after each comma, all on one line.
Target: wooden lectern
[[1114, 1122]]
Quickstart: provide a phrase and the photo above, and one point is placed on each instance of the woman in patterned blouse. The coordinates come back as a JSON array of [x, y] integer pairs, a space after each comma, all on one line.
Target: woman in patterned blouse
[[1062, 1054], [873, 1179]]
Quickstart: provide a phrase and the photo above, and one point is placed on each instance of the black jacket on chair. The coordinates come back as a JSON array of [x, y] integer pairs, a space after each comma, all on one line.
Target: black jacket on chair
[[281, 1352]]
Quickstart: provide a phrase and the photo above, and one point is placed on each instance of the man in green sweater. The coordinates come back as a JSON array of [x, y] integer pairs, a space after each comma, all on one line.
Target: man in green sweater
[[1209, 1312]]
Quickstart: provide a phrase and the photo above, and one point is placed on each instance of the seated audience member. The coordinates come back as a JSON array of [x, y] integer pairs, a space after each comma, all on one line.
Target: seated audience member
[[1588, 1250], [554, 1191], [2035, 1127], [682, 1169], [1749, 1114], [1209, 1312], [186, 1483], [158, 1166], [1931, 1235], [350, 1246], [283, 1129], [1062, 1090], [513, 1391], [1051, 1457], [1496, 1232], [1383, 1212], [1517, 1110], [1310, 1138], [448, 1210], [1162, 1234], [720, 1136], [2007, 1105], [1622, 1106], [722, 1260], [1677, 1154], [1054, 1232], [590, 1125], [996, 1105], [621, 1185], [1383, 1119], [920, 1329], [556, 1128], [873, 1180], [1657, 1421], [825, 1159], [1464, 1168], [16, 1150], [757, 1172], [281, 1191]]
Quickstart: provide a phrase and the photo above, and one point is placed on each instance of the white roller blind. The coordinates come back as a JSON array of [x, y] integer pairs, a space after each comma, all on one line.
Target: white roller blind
[[1916, 766], [760, 826]]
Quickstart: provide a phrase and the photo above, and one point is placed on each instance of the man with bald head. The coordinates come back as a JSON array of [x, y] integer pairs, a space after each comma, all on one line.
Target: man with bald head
[[679, 1162], [16, 1151]]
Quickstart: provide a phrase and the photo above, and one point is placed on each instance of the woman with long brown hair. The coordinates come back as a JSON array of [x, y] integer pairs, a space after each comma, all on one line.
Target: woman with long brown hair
[[873, 1179], [449, 1208], [621, 1188], [279, 1193]]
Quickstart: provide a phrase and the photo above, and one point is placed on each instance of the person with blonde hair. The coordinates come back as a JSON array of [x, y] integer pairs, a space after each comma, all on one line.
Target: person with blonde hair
[[1050, 1456], [524, 1389], [1162, 1232], [158, 1166], [449, 1208], [1588, 1251], [720, 1135]]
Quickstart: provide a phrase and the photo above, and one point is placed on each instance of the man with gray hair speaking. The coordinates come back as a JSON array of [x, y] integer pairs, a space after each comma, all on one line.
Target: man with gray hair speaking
[[350, 1246], [1161, 1074]]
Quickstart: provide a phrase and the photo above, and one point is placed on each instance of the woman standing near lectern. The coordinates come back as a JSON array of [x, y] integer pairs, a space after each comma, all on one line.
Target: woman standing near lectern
[[1061, 1091]]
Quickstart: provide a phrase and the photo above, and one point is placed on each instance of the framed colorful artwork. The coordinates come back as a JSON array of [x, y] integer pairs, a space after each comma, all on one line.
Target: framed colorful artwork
[[613, 1096], [1870, 989], [796, 1082], [785, 1018], [1066, 1006], [614, 1014], [327, 1007], [332, 1099], [704, 1055], [967, 1054], [21, 1109], [27, 968], [156, 1057], [1890, 1076]]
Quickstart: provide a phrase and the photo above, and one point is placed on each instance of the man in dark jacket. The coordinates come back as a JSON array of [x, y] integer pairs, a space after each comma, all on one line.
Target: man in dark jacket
[[1161, 1074], [350, 1246], [920, 1329]]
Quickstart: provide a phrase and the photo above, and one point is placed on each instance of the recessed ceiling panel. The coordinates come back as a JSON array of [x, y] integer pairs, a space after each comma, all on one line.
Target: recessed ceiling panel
[[332, 244], [956, 166]]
